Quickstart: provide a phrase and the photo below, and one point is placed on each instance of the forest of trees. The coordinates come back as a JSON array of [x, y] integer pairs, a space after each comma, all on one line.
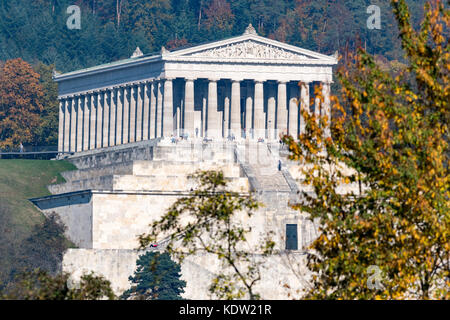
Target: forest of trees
[[35, 40], [390, 128], [36, 30]]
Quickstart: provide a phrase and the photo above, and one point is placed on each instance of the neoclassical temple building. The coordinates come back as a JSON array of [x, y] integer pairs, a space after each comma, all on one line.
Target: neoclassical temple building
[[243, 87], [114, 123]]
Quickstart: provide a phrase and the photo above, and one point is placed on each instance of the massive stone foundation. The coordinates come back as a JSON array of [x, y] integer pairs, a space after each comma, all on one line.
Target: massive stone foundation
[[117, 192]]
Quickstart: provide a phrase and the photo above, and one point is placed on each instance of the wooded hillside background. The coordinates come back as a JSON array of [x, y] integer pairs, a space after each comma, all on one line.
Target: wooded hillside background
[[111, 29], [35, 40]]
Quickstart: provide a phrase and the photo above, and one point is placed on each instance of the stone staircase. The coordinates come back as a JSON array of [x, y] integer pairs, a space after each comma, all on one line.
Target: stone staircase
[[152, 163], [155, 166], [261, 165], [115, 194]]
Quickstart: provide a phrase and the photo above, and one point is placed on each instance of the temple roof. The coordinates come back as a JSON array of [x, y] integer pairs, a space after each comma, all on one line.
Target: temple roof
[[246, 48]]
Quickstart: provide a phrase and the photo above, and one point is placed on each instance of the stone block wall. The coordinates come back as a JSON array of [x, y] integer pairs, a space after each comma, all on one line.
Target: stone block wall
[[197, 271], [129, 188]]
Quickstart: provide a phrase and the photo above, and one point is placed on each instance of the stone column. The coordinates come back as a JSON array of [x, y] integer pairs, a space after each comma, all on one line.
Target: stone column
[[212, 122], [153, 87], [112, 116], [179, 109], [126, 115], [159, 113], [86, 134], [226, 113], [281, 109], [189, 108], [106, 110], [133, 108], [100, 101], [249, 111], [259, 128], [204, 108], [146, 112], [177, 124], [67, 106], [62, 108], [139, 112], [80, 115], [73, 125], [293, 111], [326, 107], [67, 124], [119, 120], [304, 104], [167, 117], [271, 105], [93, 122], [235, 111], [182, 108]]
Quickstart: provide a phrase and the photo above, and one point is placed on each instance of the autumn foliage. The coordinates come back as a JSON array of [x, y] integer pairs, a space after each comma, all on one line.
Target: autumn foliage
[[390, 139], [219, 15], [20, 103]]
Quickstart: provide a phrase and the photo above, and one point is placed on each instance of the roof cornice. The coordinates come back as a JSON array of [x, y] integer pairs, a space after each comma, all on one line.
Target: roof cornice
[[183, 55], [107, 67], [327, 62]]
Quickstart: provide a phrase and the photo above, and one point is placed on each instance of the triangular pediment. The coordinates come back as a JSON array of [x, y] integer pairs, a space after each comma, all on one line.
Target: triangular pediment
[[250, 47], [249, 50]]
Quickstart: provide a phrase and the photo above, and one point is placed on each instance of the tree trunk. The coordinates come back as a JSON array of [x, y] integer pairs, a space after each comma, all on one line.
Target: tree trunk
[[200, 15], [118, 11]]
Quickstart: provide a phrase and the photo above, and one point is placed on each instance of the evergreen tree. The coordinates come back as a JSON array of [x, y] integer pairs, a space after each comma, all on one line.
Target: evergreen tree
[[157, 277], [153, 18], [48, 130]]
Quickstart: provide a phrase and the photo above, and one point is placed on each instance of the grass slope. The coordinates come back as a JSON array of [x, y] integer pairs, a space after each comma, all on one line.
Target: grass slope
[[19, 181], [24, 179]]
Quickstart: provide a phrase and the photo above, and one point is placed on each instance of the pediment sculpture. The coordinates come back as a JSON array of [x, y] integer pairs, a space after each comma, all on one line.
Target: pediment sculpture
[[249, 49]]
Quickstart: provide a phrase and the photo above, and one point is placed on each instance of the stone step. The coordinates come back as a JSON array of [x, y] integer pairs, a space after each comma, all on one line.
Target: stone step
[[165, 168], [268, 175], [143, 167], [262, 166], [216, 153], [273, 183], [95, 183], [142, 150], [141, 183], [81, 174], [267, 170]]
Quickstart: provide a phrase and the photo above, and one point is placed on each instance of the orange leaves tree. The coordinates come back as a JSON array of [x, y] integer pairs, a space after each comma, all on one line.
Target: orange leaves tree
[[20, 103], [219, 17], [390, 139]]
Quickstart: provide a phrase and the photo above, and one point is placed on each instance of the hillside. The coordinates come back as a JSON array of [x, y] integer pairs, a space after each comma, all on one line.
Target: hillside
[[111, 30], [19, 219], [35, 40]]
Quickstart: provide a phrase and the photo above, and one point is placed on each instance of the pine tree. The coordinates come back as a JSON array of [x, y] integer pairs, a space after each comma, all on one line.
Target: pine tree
[[157, 277]]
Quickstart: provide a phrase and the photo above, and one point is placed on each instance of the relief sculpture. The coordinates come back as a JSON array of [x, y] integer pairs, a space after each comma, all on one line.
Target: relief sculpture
[[250, 50]]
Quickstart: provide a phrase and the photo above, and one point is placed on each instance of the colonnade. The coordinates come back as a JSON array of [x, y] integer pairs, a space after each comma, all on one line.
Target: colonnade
[[200, 108]]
